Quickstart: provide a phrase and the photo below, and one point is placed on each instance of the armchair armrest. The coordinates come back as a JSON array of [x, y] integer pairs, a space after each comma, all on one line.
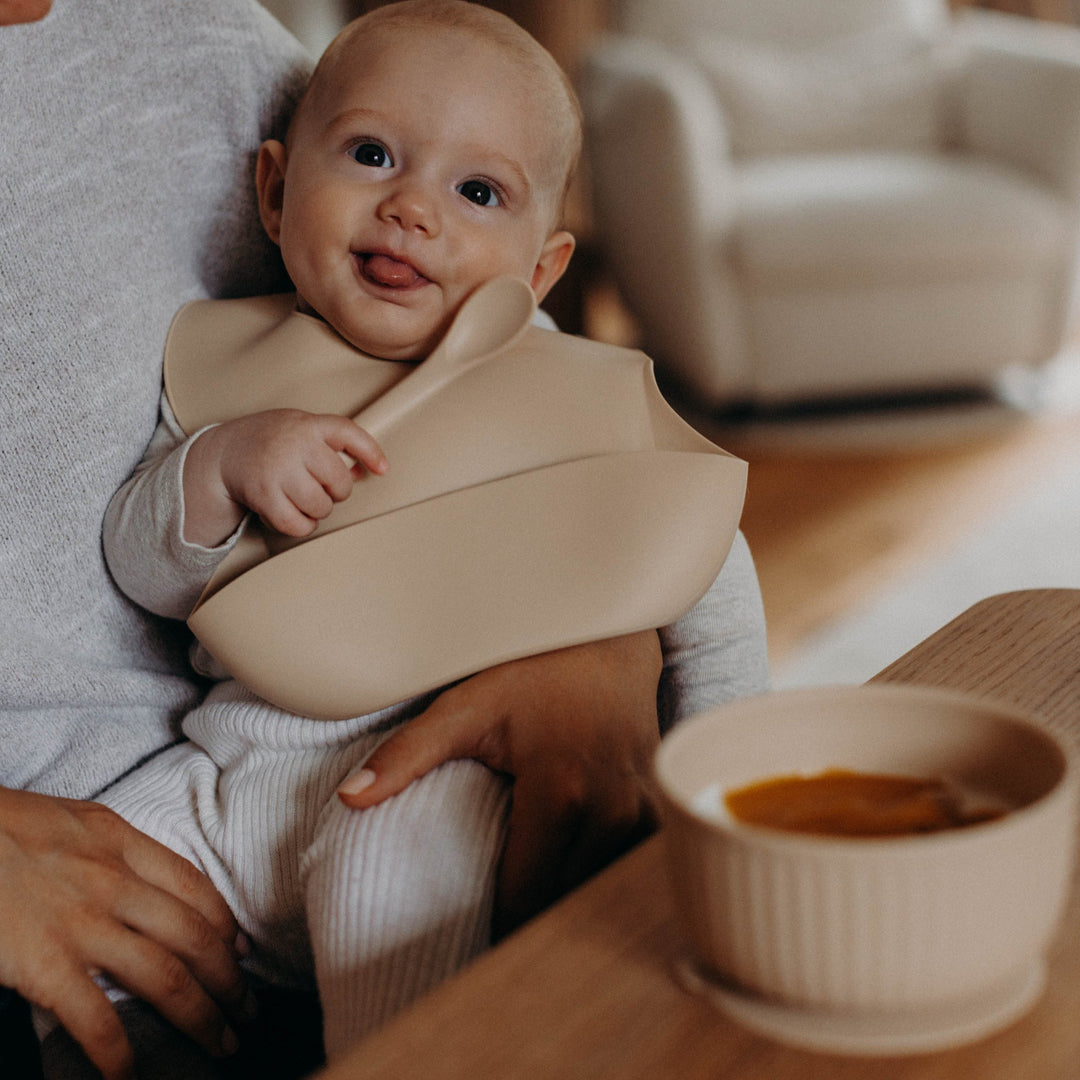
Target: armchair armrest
[[1019, 94], [652, 117], [664, 199]]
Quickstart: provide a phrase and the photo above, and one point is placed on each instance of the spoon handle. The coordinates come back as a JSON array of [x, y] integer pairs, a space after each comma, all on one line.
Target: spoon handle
[[489, 319]]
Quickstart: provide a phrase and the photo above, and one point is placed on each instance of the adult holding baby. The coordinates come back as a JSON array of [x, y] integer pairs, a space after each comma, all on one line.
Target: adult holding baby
[[142, 121]]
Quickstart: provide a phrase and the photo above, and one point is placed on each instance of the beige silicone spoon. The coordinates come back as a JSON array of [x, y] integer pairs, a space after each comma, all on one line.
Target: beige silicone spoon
[[489, 319]]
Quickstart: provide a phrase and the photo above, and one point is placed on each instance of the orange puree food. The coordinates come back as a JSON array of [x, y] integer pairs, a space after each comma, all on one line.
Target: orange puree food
[[843, 803]]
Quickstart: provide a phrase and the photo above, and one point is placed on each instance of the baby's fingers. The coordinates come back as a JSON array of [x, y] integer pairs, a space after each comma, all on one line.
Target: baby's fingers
[[358, 449]]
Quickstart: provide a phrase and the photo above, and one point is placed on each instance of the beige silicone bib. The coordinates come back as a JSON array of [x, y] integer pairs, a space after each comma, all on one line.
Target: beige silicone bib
[[541, 493]]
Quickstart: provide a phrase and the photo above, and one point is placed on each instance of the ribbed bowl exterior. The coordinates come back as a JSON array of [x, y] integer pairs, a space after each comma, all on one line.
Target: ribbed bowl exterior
[[842, 924], [870, 930]]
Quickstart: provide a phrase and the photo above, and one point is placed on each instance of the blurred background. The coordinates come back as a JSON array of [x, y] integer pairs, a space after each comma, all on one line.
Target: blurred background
[[846, 232]]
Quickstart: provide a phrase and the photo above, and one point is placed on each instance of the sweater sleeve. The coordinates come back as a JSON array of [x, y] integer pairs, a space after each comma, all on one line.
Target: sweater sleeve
[[143, 532], [717, 650]]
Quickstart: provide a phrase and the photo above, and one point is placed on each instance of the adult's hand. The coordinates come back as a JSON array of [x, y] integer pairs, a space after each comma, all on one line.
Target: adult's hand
[[82, 892], [575, 729]]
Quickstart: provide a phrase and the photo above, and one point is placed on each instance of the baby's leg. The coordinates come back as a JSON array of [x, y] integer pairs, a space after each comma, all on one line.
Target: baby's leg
[[399, 896]]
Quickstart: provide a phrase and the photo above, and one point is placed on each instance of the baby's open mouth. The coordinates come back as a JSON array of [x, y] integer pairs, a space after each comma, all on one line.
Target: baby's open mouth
[[387, 271]]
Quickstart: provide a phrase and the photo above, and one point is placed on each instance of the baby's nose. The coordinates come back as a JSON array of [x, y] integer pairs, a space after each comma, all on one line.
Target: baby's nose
[[412, 207]]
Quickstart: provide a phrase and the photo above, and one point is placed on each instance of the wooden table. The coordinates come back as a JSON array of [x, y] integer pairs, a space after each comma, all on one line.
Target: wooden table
[[586, 990]]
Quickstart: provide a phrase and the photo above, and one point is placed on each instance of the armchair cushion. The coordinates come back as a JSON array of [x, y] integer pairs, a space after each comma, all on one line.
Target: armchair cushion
[[880, 89], [846, 219]]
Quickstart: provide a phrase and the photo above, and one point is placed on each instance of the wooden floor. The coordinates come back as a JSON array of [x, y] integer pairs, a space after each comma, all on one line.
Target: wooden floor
[[827, 529], [831, 524]]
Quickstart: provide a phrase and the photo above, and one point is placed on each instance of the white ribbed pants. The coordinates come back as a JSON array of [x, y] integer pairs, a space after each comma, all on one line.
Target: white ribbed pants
[[377, 905]]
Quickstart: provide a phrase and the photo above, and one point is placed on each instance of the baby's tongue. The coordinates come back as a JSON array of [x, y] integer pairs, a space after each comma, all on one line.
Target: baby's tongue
[[384, 270]]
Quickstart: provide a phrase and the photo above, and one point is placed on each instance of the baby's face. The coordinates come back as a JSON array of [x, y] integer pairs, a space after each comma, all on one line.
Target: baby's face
[[420, 170]]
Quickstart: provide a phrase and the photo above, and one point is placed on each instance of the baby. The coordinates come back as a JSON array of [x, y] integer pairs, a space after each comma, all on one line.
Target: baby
[[431, 154]]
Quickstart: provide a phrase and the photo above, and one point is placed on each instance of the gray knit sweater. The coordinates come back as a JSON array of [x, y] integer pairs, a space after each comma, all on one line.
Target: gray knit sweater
[[127, 135]]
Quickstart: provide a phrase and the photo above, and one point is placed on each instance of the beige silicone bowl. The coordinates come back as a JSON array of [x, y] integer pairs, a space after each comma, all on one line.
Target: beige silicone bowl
[[863, 945]]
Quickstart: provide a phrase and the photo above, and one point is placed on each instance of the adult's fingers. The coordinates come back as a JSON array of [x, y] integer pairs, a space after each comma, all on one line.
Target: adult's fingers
[[81, 1006], [170, 954], [160, 866], [62, 982], [453, 726], [83, 892], [162, 978]]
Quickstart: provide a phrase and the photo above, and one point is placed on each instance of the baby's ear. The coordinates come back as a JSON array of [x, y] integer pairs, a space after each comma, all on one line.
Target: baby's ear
[[554, 258], [270, 186]]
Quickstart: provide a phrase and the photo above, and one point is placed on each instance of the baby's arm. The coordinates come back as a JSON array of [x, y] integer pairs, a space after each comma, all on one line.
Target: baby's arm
[[143, 530], [284, 465], [717, 651], [155, 558]]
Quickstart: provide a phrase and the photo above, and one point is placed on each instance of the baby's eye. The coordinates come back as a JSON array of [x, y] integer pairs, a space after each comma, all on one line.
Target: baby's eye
[[371, 153], [476, 191]]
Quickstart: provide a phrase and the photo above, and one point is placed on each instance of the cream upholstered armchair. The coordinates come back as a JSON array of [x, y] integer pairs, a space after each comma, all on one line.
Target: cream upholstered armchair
[[836, 198]]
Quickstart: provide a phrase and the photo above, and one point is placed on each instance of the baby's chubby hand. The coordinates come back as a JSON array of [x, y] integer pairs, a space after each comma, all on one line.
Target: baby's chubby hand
[[287, 466]]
